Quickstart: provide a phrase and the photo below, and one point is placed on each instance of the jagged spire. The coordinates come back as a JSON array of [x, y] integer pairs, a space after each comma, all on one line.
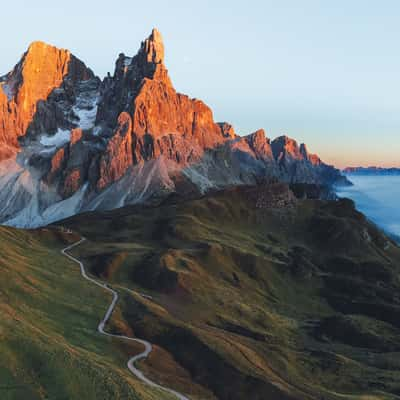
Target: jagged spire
[[153, 47]]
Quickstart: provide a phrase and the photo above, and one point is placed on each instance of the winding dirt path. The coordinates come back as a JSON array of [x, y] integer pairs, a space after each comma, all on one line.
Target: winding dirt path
[[147, 346]]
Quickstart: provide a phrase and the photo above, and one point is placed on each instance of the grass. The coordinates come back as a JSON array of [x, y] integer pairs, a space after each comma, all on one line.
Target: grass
[[270, 302], [241, 293], [49, 345]]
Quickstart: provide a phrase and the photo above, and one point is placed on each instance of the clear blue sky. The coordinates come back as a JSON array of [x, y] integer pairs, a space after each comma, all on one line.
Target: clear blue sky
[[324, 72]]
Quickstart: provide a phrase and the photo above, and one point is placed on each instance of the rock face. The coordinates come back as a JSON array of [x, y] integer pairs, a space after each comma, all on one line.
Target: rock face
[[70, 142], [295, 161], [141, 87], [118, 155], [31, 95]]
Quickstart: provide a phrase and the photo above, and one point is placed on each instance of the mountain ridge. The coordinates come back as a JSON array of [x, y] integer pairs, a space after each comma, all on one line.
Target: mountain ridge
[[71, 142], [373, 170]]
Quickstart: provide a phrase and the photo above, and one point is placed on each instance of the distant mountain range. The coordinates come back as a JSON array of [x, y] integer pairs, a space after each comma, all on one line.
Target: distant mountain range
[[371, 171], [71, 142]]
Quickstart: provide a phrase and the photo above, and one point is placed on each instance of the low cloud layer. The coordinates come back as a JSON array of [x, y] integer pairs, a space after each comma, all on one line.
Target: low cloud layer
[[377, 197]]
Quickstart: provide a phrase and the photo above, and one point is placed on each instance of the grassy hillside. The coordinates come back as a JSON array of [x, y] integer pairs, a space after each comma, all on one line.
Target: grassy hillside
[[49, 347], [255, 295]]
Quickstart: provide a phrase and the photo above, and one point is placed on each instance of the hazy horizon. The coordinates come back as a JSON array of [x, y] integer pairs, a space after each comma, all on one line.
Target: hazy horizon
[[326, 75]]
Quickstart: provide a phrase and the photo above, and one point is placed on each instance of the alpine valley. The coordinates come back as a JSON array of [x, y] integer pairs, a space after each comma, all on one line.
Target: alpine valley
[[150, 253]]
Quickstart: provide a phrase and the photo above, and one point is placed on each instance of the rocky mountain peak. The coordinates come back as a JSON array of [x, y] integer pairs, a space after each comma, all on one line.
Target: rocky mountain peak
[[132, 75], [147, 63], [153, 48], [39, 48], [150, 58], [312, 158], [132, 138], [304, 150], [141, 86], [43, 69], [259, 136], [285, 147], [260, 145], [35, 95], [41, 63]]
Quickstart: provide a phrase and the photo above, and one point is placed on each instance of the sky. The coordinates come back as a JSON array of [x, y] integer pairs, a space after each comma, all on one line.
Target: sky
[[326, 73]]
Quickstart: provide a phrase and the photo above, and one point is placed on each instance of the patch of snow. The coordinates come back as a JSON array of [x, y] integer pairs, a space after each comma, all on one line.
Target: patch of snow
[[58, 139], [87, 117], [85, 109]]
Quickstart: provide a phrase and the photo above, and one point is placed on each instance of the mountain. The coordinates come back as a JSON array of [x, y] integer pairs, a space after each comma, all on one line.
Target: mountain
[[371, 171], [222, 251], [70, 142], [253, 292], [38, 94]]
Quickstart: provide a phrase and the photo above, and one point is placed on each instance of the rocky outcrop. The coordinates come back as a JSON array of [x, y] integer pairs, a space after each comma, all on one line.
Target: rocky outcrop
[[312, 158], [76, 136], [117, 157], [72, 182], [297, 165], [57, 165], [70, 165], [260, 144], [228, 130], [141, 86]]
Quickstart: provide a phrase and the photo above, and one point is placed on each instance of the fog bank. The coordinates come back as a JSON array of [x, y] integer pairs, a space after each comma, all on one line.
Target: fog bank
[[378, 198]]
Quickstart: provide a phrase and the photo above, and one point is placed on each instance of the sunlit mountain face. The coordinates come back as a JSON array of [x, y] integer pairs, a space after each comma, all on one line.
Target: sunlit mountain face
[[71, 142]]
